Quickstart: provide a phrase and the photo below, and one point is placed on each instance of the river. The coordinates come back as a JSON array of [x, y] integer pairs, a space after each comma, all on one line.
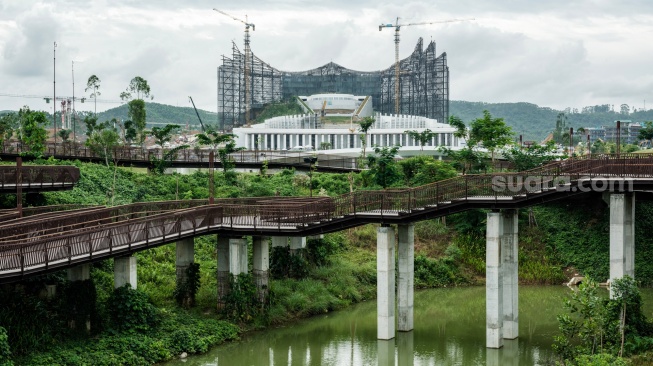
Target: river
[[449, 330]]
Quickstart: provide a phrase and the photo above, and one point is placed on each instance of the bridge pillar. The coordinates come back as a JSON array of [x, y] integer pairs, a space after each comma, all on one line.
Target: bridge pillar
[[185, 250], [493, 282], [405, 294], [622, 236], [297, 243], [79, 273], [223, 268], [279, 241], [261, 265], [237, 256], [385, 282], [124, 271], [509, 256]]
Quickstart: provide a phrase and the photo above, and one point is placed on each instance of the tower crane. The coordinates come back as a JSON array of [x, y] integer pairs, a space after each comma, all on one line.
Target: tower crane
[[397, 28], [247, 59]]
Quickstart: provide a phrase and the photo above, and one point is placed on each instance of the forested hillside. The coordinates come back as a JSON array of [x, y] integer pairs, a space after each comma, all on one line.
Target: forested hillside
[[163, 114], [534, 122]]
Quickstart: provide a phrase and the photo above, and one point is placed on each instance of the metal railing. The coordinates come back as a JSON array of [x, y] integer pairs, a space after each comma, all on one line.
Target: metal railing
[[38, 176]]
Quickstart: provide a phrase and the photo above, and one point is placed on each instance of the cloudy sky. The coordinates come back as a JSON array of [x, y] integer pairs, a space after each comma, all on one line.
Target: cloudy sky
[[554, 53]]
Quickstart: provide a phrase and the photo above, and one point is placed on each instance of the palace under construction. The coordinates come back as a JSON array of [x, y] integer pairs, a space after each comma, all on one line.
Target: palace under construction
[[423, 85]]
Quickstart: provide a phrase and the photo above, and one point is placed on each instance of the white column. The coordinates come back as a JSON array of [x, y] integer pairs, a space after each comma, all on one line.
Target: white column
[[405, 295], [509, 256], [237, 256], [185, 250], [493, 282], [385, 282], [124, 271], [279, 241], [223, 268], [622, 236], [261, 265]]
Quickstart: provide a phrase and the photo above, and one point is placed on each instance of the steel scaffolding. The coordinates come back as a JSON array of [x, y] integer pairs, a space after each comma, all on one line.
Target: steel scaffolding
[[424, 85]]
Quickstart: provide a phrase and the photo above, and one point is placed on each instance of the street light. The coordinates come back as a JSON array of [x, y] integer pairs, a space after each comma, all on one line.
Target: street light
[[310, 160]]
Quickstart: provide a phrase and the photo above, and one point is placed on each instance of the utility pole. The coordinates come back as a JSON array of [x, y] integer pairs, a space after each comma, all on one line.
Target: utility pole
[[74, 111], [54, 87]]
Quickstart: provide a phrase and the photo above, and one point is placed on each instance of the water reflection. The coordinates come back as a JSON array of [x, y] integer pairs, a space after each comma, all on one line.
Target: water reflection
[[449, 330]]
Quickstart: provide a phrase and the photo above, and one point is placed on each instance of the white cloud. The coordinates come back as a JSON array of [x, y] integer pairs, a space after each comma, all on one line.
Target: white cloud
[[555, 53]]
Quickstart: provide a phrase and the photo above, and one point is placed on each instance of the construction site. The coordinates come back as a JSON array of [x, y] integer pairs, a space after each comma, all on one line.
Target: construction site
[[246, 83]]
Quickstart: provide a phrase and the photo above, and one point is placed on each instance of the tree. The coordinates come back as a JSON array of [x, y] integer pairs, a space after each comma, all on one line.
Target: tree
[[420, 170], [491, 133], [422, 137], [8, 123], [163, 135], [130, 131], [383, 166], [467, 159], [625, 109], [93, 84], [224, 145], [531, 156], [364, 126], [325, 145], [646, 132], [64, 134], [560, 129], [459, 125], [136, 113], [103, 140], [32, 130], [91, 125]]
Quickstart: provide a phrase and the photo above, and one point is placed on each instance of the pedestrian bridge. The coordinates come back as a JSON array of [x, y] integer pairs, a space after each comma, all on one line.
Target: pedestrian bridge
[[72, 239]]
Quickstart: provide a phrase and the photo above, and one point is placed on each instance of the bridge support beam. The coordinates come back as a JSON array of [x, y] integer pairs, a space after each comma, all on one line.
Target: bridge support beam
[[385, 282], [223, 269], [405, 293], [622, 236], [494, 281], [124, 271], [79, 273], [261, 265], [297, 243], [185, 250], [509, 256], [279, 241]]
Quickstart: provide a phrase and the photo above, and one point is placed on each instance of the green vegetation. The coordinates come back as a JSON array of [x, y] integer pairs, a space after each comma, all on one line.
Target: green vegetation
[[275, 109], [599, 331]]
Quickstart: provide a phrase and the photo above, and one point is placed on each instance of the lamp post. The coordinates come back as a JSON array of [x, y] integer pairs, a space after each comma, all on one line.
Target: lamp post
[[54, 91], [311, 160]]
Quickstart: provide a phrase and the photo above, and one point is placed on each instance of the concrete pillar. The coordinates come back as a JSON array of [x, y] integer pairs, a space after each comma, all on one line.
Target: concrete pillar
[[385, 282], [509, 264], [237, 256], [622, 236], [124, 271], [493, 282], [223, 268], [261, 265], [279, 241], [405, 295], [185, 256], [79, 273], [297, 243]]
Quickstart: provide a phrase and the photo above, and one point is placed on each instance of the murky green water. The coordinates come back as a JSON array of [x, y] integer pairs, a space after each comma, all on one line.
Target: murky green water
[[449, 330]]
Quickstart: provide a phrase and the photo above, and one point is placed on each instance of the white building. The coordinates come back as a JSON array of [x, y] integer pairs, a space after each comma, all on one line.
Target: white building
[[291, 132]]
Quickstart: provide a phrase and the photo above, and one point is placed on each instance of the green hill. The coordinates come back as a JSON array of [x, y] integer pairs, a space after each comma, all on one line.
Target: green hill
[[162, 114], [534, 122]]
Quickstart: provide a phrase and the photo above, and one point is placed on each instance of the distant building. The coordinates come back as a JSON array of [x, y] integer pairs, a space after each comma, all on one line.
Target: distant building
[[629, 133]]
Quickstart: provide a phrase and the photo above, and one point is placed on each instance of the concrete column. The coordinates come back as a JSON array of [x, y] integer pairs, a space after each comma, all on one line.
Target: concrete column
[[297, 243], [279, 241], [509, 256], [622, 236], [261, 265], [223, 268], [79, 273], [385, 282], [237, 256], [185, 256], [124, 271], [405, 295], [493, 282]]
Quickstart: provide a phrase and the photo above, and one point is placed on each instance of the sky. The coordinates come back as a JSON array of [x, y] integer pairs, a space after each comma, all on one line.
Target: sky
[[554, 53]]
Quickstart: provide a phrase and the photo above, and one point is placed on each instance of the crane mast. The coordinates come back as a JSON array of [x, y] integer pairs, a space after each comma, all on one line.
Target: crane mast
[[247, 61], [397, 28]]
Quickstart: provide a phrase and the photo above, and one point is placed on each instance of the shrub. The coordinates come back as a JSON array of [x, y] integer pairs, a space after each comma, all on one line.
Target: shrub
[[131, 310]]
